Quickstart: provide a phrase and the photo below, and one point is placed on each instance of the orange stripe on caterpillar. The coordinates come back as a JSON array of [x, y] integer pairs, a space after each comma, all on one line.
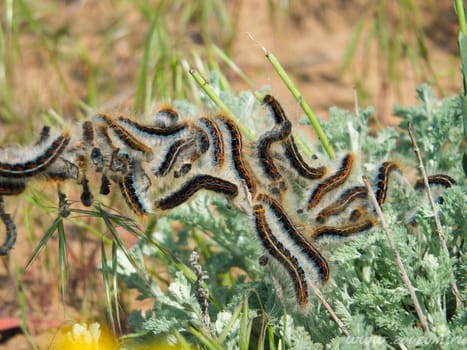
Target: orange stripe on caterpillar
[[439, 179], [343, 231], [337, 207], [298, 163], [278, 113], [290, 148], [193, 185], [236, 152], [383, 179], [39, 163], [312, 254], [10, 230], [332, 182], [123, 135], [153, 131], [165, 117], [356, 214], [11, 188], [277, 250], [217, 140], [103, 135]]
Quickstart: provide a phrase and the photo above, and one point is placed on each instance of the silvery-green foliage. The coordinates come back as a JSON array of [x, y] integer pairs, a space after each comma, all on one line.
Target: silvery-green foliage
[[437, 125], [366, 289]]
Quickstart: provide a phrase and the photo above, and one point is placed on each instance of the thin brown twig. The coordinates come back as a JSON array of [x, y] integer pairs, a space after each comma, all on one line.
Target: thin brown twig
[[439, 228], [402, 271], [329, 308]]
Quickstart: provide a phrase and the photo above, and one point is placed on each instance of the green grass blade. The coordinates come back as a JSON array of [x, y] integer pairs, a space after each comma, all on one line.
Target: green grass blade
[[43, 241], [272, 342], [109, 221], [107, 217], [91, 85], [105, 278], [462, 41], [205, 338], [62, 259], [301, 101], [115, 286], [298, 139], [193, 86], [5, 86], [182, 342], [223, 81], [230, 324], [353, 41], [22, 306], [245, 327], [460, 11], [143, 72], [382, 25], [231, 64], [177, 78], [218, 102]]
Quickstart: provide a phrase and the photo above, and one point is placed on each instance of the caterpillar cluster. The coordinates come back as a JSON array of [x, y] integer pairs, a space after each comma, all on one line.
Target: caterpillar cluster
[[171, 160]]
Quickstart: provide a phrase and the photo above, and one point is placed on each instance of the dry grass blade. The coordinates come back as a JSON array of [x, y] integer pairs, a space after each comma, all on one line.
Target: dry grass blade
[[402, 271], [439, 228], [329, 308]]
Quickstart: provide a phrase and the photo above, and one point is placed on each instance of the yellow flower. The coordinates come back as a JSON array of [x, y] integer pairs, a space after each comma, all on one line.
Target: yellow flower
[[84, 336]]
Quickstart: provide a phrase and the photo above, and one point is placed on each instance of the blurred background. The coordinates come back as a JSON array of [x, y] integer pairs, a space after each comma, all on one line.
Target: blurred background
[[59, 60]]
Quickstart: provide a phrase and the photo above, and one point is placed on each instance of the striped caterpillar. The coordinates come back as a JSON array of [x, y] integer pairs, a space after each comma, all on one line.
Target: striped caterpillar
[[183, 157]]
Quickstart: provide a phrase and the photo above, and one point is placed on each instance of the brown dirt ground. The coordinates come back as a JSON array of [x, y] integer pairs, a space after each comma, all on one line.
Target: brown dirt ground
[[310, 40]]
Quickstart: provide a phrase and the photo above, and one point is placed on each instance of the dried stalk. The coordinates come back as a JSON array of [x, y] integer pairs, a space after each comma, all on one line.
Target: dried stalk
[[402, 271], [439, 228], [329, 308]]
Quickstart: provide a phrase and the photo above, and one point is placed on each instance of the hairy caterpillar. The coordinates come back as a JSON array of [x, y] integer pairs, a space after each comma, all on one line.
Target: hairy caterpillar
[[183, 157]]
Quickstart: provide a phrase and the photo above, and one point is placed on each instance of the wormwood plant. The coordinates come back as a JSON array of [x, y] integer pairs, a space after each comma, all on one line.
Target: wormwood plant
[[245, 307]]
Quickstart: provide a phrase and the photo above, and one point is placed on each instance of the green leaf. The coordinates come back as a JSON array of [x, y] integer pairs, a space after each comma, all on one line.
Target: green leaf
[[44, 241]]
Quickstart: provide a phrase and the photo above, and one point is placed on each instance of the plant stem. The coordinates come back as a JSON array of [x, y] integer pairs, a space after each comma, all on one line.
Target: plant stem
[[459, 4], [303, 146], [328, 307], [462, 42], [402, 271], [302, 102], [439, 228], [212, 95]]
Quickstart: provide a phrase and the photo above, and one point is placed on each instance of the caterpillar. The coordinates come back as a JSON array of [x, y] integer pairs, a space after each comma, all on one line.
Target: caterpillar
[[172, 159]]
